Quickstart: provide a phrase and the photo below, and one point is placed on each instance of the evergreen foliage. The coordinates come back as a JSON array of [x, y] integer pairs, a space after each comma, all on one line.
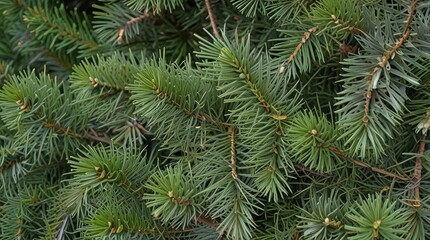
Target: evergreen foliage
[[230, 119]]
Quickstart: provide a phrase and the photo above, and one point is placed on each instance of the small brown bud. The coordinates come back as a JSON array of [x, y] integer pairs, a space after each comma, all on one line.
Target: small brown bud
[[365, 119]]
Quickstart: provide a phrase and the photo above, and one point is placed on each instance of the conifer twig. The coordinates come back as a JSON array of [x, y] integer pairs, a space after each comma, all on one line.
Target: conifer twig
[[417, 171], [9, 164], [169, 233], [201, 116], [205, 220], [304, 169], [305, 38], [93, 135], [343, 24], [233, 153], [65, 33], [212, 19], [365, 165], [121, 30], [386, 57], [142, 129], [296, 234], [49, 124], [246, 75]]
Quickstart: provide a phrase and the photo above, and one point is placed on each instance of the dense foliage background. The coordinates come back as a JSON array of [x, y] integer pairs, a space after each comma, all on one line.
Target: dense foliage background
[[222, 119]]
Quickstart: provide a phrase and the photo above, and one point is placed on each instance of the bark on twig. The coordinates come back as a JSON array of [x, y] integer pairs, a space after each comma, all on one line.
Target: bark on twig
[[365, 165], [212, 19], [418, 171], [233, 153], [385, 58]]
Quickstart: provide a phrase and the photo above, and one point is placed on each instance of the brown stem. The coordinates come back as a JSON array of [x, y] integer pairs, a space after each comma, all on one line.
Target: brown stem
[[49, 124], [165, 232], [201, 116], [57, 58], [10, 164], [233, 153], [212, 19], [417, 172], [304, 169], [207, 221], [20, 3], [305, 38], [168, 233], [296, 234], [121, 30], [386, 57], [246, 75], [365, 165], [122, 182], [141, 128], [90, 134], [93, 135]]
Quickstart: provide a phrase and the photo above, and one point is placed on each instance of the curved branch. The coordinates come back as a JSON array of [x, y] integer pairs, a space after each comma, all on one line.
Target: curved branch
[[305, 38], [121, 30], [212, 19], [365, 165], [418, 171], [385, 58]]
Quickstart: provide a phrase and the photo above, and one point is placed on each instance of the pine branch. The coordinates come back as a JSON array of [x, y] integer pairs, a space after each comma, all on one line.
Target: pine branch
[[90, 134], [418, 171], [385, 59], [96, 83], [201, 116], [212, 19], [44, 167], [121, 30], [43, 18], [232, 138], [69, 132], [304, 169], [233, 153], [141, 128], [305, 38], [365, 165], [61, 61], [207, 221]]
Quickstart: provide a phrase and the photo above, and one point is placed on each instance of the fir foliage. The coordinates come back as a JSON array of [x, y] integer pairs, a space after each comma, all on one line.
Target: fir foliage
[[223, 119]]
